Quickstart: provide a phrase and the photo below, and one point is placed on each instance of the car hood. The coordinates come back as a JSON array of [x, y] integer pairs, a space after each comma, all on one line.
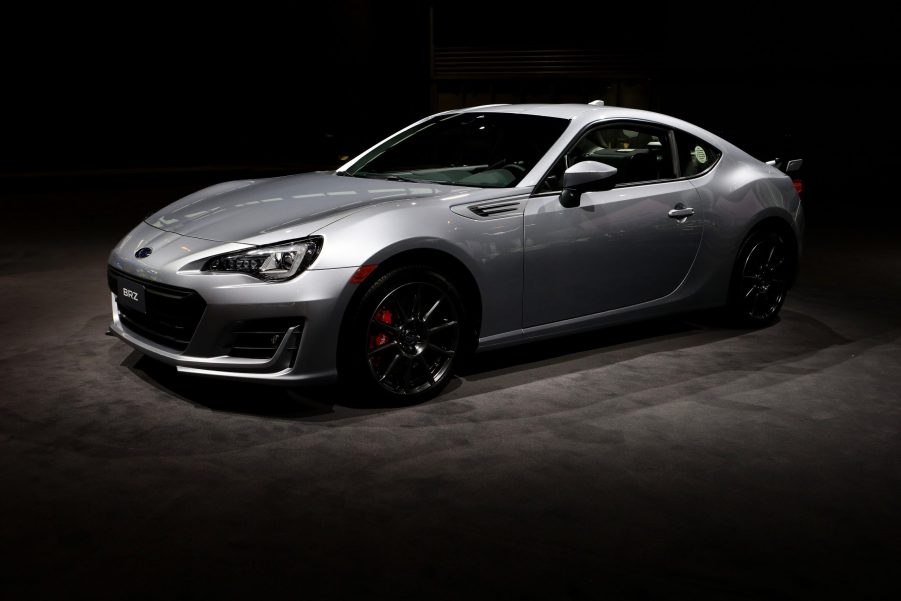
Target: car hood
[[299, 204]]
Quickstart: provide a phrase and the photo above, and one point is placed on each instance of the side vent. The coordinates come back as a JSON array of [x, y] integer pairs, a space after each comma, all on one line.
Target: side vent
[[494, 209], [498, 208]]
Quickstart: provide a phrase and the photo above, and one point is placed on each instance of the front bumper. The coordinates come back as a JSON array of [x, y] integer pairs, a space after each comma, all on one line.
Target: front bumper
[[316, 299]]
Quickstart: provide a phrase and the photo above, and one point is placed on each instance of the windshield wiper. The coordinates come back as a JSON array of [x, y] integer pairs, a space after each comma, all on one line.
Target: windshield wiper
[[493, 165], [390, 177], [401, 178]]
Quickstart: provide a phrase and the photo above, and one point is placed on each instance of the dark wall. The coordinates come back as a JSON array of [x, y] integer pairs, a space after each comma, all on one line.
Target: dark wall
[[296, 90], [798, 82], [157, 88]]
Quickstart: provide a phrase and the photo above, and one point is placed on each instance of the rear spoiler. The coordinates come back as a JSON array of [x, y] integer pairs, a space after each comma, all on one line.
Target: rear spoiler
[[786, 166], [789, 168]]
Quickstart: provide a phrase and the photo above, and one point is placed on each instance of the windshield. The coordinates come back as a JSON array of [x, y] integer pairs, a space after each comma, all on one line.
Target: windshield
[[487, 150]]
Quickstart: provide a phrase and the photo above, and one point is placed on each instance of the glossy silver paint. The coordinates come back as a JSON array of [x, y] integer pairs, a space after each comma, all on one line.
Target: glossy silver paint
[[541, 269]]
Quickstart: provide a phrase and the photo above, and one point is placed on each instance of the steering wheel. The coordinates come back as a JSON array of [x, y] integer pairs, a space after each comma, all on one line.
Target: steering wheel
[[516, 169]]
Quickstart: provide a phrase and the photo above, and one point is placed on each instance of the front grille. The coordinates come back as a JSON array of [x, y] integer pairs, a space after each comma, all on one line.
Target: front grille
[[260, 338], [172, 312]]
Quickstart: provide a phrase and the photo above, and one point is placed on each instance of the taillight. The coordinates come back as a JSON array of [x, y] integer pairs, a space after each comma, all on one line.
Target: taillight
[[799, 186]]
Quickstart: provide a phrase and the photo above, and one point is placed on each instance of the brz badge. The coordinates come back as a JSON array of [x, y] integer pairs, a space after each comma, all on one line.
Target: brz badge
[[143, 253]]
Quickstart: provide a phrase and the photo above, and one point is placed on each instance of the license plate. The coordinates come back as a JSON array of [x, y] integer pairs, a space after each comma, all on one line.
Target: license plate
[[131, 295]]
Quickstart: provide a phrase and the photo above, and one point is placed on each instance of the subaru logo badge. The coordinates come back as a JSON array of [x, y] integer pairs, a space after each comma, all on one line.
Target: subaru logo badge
[[143, 253]]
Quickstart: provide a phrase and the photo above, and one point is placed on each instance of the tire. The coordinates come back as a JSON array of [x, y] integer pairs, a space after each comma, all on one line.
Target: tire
[[760, 279], [405, 336]]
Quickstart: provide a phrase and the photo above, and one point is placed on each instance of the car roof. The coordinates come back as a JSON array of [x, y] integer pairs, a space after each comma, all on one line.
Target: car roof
[[581, 115], [564, 111]]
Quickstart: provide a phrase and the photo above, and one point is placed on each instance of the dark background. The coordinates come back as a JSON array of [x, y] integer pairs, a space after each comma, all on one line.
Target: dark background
[[272, 91], [682, 460]]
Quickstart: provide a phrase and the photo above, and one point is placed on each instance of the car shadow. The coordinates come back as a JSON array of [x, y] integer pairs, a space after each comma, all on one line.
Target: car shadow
[[335, 402], [531, 354]]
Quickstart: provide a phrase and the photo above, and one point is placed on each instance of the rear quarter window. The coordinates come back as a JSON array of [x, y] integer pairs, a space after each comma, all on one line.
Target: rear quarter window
[[695, 155]]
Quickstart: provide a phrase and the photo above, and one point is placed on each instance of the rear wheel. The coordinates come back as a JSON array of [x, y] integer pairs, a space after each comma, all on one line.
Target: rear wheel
[[406, 335], [760, 280]]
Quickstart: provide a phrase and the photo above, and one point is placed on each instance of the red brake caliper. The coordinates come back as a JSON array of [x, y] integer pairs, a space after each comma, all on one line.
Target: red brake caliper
[[384, 316]]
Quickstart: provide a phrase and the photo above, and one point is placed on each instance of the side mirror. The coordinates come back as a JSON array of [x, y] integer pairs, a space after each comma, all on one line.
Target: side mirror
[[587, 176]]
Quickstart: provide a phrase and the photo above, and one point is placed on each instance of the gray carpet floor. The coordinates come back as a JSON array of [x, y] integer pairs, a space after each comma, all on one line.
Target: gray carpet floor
[[673, 459]]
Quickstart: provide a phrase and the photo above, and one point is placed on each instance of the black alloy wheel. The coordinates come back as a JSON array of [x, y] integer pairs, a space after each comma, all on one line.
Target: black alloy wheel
[[761, 280], [408, 334]]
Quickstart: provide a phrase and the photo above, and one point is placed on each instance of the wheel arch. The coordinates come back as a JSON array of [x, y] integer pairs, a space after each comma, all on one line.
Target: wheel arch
[[781, 225], [443, 262]]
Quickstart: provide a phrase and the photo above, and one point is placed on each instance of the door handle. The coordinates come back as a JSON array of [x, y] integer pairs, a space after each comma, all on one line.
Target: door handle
[[681, 213]]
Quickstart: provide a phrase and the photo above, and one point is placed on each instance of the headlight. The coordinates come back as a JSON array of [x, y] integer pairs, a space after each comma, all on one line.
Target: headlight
[[276, 262]]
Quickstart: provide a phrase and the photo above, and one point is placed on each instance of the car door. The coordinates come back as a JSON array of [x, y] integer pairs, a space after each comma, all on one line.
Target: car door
[[620, 247]]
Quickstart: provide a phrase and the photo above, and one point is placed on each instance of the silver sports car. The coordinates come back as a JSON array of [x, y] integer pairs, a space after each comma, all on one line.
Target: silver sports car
[[468, 230]]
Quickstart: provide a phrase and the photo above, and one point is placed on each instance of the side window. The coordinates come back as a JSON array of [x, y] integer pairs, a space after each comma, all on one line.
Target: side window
[[640, 153], [695, 155]]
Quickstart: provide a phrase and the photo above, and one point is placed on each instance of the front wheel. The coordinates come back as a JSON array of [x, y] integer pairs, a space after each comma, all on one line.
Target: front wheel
[[406, 335], [760, 280]]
